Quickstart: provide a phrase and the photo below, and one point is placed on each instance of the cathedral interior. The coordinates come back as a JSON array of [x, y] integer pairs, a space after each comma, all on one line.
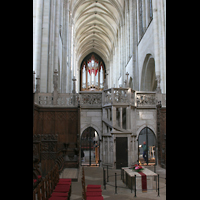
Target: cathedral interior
[[99, 88]]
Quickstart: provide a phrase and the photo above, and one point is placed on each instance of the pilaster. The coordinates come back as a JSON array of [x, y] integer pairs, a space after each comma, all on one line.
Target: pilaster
[[120, 119]]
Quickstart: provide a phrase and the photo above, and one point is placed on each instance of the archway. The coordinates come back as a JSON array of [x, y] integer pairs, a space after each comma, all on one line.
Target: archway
[[148, 156], [90, 147], [148, 79], [92, 73]]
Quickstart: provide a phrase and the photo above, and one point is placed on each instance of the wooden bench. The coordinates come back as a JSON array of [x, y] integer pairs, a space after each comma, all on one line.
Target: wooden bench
[[37, 177], [91, 192], [52, 187]]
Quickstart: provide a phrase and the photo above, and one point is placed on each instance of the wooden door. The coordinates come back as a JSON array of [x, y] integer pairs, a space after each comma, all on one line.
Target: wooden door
[[121, 152]]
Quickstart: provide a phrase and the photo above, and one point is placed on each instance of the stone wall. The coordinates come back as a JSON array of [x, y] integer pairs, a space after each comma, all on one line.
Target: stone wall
[[93, 118]]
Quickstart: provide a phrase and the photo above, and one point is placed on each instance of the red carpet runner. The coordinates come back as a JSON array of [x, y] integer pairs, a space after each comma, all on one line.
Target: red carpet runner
[[144, 181]]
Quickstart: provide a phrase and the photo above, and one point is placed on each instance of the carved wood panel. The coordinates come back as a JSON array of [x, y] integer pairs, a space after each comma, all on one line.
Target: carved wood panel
[[62, 121], [49, 122]]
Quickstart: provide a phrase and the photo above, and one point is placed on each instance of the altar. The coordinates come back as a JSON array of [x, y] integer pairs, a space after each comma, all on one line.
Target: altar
[[128, 177]]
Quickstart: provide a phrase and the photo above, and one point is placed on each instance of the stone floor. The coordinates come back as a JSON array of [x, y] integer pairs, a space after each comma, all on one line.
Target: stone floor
[[94, 175], [70, 173]]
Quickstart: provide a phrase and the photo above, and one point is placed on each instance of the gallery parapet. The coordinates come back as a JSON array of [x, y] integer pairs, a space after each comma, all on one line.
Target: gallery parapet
[[62, 100], [90, 99], [118, 96], [145, 99], [129, 97], [106, 98]]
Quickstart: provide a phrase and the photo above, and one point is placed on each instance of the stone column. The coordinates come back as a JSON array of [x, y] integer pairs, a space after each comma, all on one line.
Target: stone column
[[105, 82], [138, 22], [64, 50], [56, 37], [74, 90], [131, 28], [120, 119], [99, 77], [144, 15], [74, 85], [163, 31], [158, 79], [128, 117], [127, 83], [55, 83], [161, 35], [113, 116], [108, 114], [38, 37], [33, 81], [156, 37], [37, 84], [68, 66], [147, 12]]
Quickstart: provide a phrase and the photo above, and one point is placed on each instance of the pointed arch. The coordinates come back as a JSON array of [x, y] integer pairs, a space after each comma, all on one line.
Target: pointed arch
[[148, 75], [145, 126], [94, 127]]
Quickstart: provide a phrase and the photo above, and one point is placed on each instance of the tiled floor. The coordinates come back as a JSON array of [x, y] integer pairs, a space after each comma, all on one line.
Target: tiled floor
[[94, 175]]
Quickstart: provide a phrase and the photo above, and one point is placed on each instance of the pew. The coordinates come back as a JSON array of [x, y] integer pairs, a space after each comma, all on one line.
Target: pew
[[37, 176], [61, 187], [52, 187], [83, 184], [91, 192]]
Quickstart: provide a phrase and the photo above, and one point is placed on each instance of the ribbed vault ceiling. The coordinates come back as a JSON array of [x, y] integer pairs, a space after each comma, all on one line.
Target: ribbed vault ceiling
[[96, 24]]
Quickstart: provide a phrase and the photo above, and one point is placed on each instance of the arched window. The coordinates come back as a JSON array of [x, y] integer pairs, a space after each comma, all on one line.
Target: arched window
[[92, 73], [148, 79]]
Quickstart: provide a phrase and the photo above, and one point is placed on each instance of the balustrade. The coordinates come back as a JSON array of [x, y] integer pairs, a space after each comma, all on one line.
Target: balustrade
[[63, 99], [90, 99], [146, 99], [111, 96], [44, 99]]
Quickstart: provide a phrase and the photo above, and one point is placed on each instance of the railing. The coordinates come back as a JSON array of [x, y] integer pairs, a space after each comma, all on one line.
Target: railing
[[44, 99], [145, 99], [111, 96], [123, 96], [90, 99], [127, 96], [68, 99], [108, 97], [130, 181], [62, 99]]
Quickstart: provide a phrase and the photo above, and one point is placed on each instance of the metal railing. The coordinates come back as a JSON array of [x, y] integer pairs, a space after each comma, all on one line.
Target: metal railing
[[124, 180]]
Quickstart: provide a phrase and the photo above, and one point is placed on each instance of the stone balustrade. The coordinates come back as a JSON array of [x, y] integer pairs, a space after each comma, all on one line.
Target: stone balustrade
[[117, 96], [127, 96], [108, 97], [145, 99], [61, 99], [90, 99]]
